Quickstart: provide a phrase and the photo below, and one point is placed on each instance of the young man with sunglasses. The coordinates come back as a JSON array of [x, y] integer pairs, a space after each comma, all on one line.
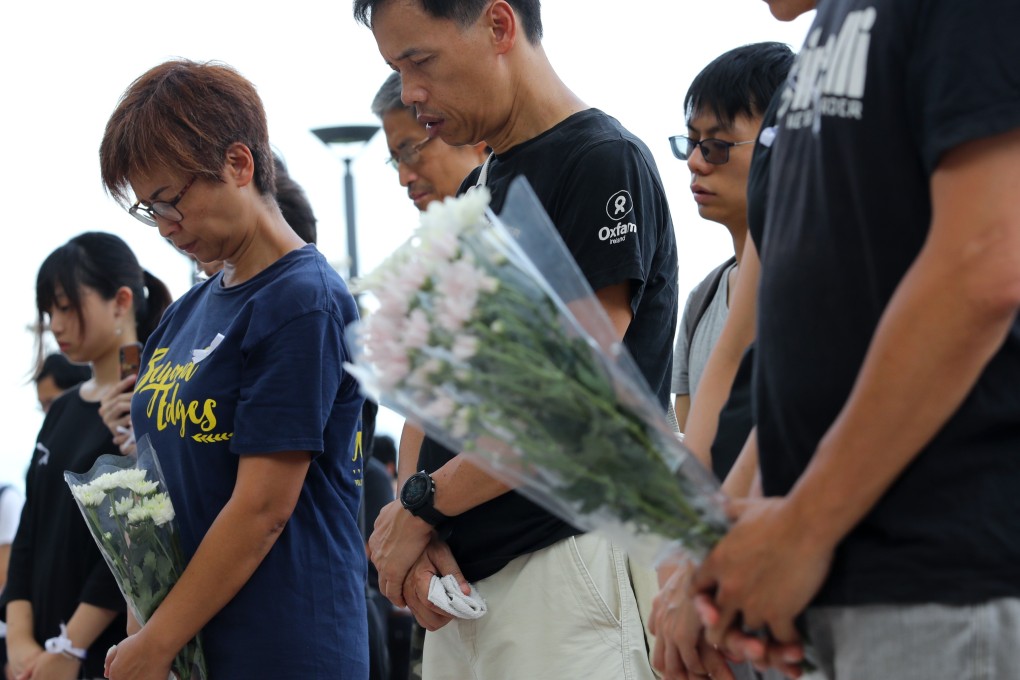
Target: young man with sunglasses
[[561, 604], [724, 107]]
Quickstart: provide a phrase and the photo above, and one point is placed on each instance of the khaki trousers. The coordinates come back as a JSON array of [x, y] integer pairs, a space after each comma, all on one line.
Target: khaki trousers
[[567, 612]]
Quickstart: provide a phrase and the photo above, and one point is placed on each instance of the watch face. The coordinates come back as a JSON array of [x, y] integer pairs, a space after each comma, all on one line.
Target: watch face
[[414, 491]]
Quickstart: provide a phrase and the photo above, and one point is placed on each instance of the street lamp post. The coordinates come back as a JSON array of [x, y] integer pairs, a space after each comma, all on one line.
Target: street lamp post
[[344, 137]]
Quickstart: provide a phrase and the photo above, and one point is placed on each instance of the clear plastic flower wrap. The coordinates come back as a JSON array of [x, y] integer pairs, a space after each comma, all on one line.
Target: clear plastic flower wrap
[[489, 337], [128, 510]]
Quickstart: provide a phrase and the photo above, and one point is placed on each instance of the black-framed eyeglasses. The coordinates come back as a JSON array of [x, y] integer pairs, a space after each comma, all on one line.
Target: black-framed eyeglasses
[[165, 209], [714, 151], [408, 155]]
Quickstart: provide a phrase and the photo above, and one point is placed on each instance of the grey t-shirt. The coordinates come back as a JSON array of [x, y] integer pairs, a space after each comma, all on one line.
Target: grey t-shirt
[[689, 362]]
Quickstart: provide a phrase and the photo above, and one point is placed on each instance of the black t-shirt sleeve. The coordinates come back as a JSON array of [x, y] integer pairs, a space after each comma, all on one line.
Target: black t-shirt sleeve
[[609, 214], [100, 589], [965, 93]]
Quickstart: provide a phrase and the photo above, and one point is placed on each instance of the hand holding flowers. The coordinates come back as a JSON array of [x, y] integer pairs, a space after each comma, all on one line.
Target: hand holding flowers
[[131, 517]]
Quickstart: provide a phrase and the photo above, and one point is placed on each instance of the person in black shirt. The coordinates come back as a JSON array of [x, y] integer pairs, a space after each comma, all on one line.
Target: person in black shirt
[[477, 72], [888, 353], [728, 101], [94, 297]]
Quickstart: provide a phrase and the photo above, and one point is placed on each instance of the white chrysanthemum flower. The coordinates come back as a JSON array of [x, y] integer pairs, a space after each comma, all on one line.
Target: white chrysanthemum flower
[[417, 330], [121, 479], [138, 513], [464, 347], [469, 208], [462, 422], [122, 506], [160, 509], [143, 487], [441, 408], [88, 495]]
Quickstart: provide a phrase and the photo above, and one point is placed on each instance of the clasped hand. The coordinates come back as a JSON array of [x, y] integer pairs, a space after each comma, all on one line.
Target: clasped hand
[[760, 577], [406, 553]]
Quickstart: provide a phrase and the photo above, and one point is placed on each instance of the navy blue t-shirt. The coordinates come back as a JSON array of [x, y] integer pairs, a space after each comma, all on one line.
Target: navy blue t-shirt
[[881, 90], [272, 382]]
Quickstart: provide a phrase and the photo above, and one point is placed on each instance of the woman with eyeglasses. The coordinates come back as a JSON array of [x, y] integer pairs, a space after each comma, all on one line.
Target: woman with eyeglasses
[[63, 607], [243, 395]]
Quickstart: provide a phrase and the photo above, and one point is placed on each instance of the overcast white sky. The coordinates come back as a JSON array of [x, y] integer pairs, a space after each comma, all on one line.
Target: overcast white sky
[[64, 65]]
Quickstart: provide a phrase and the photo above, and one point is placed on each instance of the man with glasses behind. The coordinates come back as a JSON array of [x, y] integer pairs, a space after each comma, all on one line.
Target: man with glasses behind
[[429, 168], [724, 107]]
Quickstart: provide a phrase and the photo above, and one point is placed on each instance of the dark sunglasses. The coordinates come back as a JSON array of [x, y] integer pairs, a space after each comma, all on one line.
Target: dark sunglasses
[[714, 151]]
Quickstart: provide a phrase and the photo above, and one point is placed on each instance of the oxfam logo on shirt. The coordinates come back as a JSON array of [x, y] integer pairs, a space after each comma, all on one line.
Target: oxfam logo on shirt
[[618, 207]]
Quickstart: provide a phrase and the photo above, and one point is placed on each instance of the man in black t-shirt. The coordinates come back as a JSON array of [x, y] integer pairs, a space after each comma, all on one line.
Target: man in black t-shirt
[[887, 370], [479, 73]]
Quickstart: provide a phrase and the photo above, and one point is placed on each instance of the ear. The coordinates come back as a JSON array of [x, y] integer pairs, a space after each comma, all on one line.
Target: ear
[[240, 165], [124, 300], [503, 24]]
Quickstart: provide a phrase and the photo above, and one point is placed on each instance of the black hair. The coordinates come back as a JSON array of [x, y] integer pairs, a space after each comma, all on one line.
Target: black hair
[[464, 12], [294, 204], [388, 97], [739, 82], [104, 263], [65, 374]]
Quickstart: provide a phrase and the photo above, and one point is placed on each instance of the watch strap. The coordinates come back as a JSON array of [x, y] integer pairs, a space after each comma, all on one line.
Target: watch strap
[[428, 513]]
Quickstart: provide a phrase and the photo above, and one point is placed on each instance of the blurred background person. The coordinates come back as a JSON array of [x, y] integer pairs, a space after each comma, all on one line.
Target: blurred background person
[[267, 477], [429, 168], [94, 297], [11, 503], [55, 376]]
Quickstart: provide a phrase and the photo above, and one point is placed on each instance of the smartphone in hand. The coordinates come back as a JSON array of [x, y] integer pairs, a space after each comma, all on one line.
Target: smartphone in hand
[[130, 359]]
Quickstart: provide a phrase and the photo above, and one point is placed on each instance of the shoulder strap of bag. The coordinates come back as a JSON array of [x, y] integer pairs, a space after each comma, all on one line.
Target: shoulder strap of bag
[[702, 296]]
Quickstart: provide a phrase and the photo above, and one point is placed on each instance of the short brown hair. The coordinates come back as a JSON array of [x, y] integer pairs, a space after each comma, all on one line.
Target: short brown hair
[[183, 116]]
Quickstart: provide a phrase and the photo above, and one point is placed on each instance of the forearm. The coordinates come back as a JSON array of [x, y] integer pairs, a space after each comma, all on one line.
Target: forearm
[[721, 368], [462, 485], [87, 623], [20, 621], [411, 438], [229, 554], [682, 406], [5, 557], [740, 480]]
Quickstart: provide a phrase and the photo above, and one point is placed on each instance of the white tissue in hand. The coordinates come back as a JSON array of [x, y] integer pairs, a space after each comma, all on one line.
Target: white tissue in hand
[[445, 593]]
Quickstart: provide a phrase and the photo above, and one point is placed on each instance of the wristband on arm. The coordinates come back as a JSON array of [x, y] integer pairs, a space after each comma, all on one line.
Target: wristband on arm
[[63, 645]]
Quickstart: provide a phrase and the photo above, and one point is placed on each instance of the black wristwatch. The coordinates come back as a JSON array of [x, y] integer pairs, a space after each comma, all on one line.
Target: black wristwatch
[[418, 496]]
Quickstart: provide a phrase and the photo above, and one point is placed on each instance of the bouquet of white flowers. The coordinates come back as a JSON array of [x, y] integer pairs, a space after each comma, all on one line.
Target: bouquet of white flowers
[[487, 335], [128, 510]]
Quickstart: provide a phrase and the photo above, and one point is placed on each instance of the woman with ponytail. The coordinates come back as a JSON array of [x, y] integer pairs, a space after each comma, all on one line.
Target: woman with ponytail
[[94, 297]]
